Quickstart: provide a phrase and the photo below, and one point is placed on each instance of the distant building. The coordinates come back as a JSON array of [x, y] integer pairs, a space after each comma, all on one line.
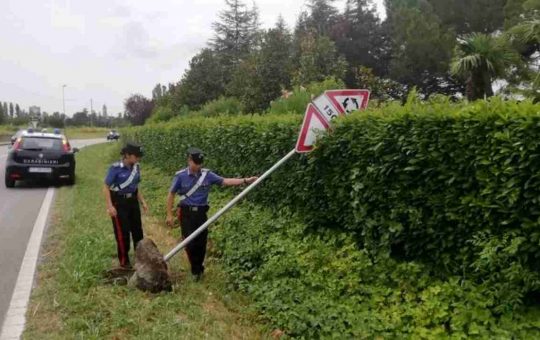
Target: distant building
[[34, 111]]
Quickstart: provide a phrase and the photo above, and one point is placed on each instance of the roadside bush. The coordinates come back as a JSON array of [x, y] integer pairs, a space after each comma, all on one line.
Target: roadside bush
[[165, 113], [221, 106], [320, 285], [416, 182], [299, 97], [448, 190]]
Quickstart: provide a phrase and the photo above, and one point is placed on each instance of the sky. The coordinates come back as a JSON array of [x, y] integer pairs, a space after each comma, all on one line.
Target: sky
[[106, 50]]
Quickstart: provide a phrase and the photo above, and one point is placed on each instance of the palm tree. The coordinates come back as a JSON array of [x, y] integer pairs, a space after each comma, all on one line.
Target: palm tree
[[481, 58], [526, 37]]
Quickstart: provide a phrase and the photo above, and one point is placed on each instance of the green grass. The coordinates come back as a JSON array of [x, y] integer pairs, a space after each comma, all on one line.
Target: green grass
[[85, 132], [6, 131], [72, 300]]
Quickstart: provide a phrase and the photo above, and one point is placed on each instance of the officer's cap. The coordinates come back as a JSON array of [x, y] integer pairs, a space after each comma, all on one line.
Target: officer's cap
[[132, 149], [196, 155]]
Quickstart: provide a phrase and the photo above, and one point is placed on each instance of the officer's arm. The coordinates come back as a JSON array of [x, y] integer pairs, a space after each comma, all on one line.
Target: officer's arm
[[110, 207], [140, 198], [170, 204], [227, 182], [107, 194]]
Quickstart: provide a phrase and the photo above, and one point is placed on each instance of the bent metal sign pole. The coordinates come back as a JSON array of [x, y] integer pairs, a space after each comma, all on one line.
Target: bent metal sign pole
[[316, 120], [227, 207]]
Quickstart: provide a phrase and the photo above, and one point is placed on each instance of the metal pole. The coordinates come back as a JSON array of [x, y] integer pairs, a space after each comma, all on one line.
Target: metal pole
[[64, 107], [91, 109], [64, 99], [227, 207]]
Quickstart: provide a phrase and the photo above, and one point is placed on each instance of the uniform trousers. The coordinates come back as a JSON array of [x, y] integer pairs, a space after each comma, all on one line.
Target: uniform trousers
[[127, 225], [190, 220]]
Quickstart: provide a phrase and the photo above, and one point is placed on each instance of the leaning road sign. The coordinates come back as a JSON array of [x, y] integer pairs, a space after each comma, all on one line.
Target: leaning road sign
[[325, 107], [314, 123], [334, 103], [347, 101]]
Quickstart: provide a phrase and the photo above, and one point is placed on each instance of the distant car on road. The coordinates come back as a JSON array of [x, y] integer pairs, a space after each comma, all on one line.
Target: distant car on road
[[113, 135], [40, 155]]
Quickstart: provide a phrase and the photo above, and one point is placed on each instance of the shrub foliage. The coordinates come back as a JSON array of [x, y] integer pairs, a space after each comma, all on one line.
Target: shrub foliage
[[426, 217]]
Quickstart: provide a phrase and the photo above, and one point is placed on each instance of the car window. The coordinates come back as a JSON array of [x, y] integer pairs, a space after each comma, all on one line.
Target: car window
[[41, 143]]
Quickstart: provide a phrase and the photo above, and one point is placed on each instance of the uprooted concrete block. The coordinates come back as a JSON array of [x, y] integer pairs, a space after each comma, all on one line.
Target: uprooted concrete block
[[151, 273]]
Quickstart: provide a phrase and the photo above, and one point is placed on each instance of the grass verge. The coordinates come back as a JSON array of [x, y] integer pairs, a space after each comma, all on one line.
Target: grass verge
[[85, 132], [6, 131], [72, 300]]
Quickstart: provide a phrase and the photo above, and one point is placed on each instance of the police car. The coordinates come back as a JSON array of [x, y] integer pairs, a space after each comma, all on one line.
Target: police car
[[40, 155]]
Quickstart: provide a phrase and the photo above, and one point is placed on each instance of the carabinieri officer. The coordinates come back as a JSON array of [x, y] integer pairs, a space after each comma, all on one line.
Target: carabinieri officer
[[123, 197], [192, 184]]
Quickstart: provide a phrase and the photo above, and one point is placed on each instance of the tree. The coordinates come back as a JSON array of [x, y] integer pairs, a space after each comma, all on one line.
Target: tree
[[466, 16], [11, 110], [203, 81], [513, 13], [235, 33], [5, 106], [481, 58], [261, 78], [322, 17], [523, 26], [380, 88], [3, 116], [275, 63], [17, 110], [55, 120], [421, 48], [317, 60], [359, 36], [138, 108], [80, 118], [525, 38], [157, 92], [104, 110]]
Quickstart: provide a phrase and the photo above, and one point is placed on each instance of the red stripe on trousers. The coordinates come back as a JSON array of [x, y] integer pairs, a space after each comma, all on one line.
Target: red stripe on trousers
[[121, 241], [179, 214]]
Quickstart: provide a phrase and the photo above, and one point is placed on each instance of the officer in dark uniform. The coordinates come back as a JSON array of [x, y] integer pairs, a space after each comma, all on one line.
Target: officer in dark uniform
[[123, 198], [193, 184]]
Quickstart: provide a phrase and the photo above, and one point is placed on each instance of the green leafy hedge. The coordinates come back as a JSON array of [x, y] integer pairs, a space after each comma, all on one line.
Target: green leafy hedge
[[422, 183], [453, 187], [320, 285]]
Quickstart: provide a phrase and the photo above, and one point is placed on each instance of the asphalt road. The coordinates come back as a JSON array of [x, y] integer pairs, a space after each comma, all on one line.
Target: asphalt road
[[19, 209]]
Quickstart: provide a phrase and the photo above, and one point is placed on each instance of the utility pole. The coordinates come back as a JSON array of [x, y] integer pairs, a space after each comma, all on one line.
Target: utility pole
[[64, 107], [64, 99], [91, 111]]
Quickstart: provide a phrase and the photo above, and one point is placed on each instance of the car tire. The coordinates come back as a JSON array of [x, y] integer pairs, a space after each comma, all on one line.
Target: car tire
[[71, 179], [10, 183]]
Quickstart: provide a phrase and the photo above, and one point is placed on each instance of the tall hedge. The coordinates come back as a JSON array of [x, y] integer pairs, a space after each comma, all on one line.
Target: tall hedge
[[452, 185]]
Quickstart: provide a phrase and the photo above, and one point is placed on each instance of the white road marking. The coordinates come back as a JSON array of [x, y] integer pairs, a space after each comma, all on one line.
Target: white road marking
[[15, 317]]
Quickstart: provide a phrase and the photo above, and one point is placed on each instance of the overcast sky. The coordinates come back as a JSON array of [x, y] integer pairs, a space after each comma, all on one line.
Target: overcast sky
[[106, 50]]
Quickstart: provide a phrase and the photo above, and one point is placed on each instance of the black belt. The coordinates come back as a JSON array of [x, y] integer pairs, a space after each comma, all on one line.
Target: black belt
[[194, 208], [128, 195]]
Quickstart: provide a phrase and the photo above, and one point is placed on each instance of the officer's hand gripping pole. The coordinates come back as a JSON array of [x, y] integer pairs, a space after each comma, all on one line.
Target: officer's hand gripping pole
[[227, 207]]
